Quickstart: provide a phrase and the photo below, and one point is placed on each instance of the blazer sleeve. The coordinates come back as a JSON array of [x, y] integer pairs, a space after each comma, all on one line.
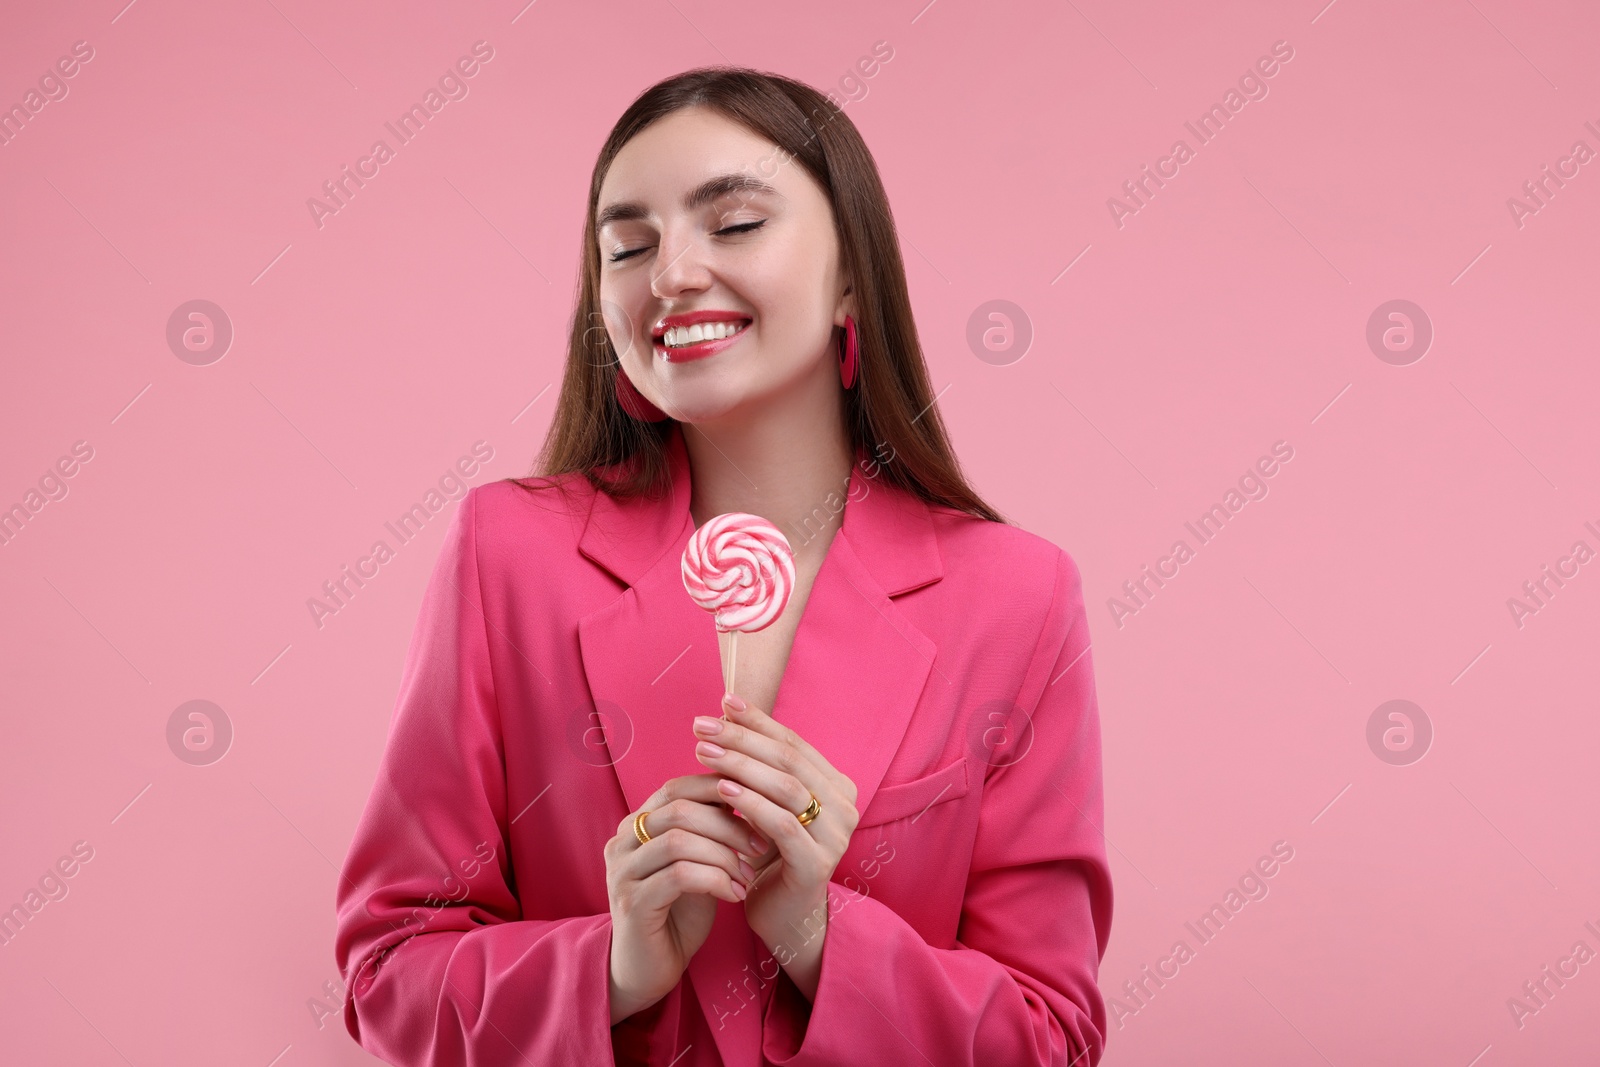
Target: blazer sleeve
[[1019, 987], [439, 963]]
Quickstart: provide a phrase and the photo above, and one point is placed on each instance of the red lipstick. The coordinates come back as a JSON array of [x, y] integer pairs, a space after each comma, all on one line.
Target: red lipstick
[[701, 349]]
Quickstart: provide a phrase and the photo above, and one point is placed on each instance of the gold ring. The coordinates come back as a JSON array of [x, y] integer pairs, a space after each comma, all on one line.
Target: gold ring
[[811, 811], [638, 828]]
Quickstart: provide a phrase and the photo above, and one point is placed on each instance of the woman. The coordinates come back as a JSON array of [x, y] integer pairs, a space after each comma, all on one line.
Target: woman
[[885, 848]]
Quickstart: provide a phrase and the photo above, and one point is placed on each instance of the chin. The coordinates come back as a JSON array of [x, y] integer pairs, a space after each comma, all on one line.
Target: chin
[[702, 410], [710, 404]]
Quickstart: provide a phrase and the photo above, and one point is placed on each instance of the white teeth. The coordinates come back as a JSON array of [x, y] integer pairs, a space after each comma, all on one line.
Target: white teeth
[[679, 336]]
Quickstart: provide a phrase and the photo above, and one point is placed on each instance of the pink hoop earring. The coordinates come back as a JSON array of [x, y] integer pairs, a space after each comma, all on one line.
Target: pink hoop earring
[[633, 402], [849, 353]]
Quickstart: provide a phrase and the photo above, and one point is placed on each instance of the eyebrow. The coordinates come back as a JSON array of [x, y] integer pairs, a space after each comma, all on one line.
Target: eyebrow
[[704, 193]]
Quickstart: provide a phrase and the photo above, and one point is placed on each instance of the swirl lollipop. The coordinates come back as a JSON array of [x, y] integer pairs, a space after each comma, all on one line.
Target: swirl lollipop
[[740, 568]]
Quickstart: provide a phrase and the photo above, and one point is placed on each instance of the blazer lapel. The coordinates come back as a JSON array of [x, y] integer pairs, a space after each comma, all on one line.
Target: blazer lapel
[[853, 679]]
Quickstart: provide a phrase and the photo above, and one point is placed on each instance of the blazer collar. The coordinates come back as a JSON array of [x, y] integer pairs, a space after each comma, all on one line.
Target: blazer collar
[[854, 676], [889, 528]]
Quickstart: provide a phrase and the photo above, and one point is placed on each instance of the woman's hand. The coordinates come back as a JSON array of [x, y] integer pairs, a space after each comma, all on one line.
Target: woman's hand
[[664, 892], [772, 774]]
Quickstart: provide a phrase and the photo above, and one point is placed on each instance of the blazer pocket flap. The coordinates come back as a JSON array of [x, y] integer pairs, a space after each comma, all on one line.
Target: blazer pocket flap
[[912, 798]]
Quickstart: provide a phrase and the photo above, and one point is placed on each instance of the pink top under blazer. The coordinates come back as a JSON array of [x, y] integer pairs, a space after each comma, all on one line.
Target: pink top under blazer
[[548, 691]]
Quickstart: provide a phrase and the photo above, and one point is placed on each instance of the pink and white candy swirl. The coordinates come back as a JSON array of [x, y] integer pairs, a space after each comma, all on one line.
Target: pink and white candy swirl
[[740, 568]]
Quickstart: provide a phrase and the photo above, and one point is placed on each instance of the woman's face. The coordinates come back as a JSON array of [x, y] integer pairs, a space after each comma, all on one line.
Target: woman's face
[[698, 214]]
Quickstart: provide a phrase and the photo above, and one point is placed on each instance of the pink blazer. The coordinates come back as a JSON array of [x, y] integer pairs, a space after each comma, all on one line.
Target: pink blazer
[[941, 663]]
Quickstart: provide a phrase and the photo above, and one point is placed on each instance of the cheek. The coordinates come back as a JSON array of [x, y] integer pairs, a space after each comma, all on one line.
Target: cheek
[[622, 312], [785, 329], [795, 314]]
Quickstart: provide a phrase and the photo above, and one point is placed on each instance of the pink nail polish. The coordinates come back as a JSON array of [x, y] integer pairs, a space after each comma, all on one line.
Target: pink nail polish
[[758, 846], [705, 724], [739, 891], [706, 748], [734, 702], [730, 788]]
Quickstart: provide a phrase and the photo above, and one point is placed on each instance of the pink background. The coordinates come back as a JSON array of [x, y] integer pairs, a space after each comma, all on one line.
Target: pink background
[[1228, 313]]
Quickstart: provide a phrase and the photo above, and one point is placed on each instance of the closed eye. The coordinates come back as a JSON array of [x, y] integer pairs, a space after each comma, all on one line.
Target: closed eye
[[743, 227]]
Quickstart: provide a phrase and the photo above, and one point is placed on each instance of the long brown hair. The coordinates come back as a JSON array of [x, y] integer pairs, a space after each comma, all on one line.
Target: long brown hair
[[890, 412]]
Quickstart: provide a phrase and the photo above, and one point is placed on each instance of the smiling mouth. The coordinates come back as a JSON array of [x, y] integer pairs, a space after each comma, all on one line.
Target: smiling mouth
[[683, 343]]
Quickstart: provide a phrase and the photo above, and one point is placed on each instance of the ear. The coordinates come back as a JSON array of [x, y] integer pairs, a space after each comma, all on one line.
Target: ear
[[847, 306]]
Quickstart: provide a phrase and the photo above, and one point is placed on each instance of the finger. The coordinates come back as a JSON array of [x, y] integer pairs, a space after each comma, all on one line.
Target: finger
[[797, 844], [689, 787], [738, 835], [662, 889], [678, 844], [779, 786], [701, 787], [757, 722], [785, 752], [714, 820]]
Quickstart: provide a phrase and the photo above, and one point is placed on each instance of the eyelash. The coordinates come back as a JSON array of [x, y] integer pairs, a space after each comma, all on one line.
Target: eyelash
[[743, 227]]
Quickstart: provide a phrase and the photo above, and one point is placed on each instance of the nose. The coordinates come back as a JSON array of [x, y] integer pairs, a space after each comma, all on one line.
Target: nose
[[681, 266]]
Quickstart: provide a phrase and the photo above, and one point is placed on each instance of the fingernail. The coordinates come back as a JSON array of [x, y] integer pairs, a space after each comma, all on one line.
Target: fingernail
[[705, 724], [738, 890], [730, 788], [758, 846], [706, 748], [749, 871], [734, 702]]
